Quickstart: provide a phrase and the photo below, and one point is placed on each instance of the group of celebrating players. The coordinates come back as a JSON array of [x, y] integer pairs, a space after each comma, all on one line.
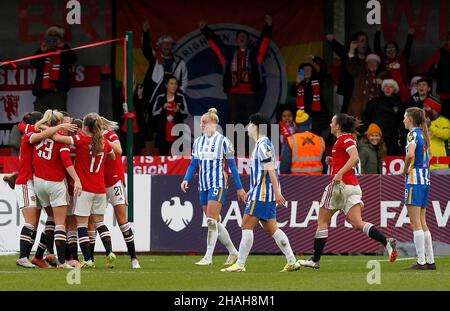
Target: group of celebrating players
[[71, 168]]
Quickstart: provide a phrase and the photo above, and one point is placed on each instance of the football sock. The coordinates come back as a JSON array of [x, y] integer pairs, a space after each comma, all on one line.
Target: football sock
[[419, 242], [374, 233], [92, 237], [283, 243], [50, 234], [245, 247], [26, 236], [83, 239], [429, 254], [128, 236], [224, 238], [42, 246], [72, 240], [211, 239], [60, 242], [319, 244], [105, 236]]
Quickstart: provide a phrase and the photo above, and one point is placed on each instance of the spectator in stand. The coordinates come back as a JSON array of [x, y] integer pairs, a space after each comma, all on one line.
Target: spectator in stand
[[139, 123], [439, 67], [162, 64], [285, 117], [169, 109], [366, 80], [395, 62], [413, 84], [387, 111], [439, 129], [53, 73], [423, 92], [242, 76], [307, 90], [304, 153], [372, 151], [346, 83]]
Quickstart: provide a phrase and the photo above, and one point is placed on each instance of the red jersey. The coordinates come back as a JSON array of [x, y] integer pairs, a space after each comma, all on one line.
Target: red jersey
[[26, 128], [340, 156], [50, 160], [113, 168], [90, 168], [26, 155]]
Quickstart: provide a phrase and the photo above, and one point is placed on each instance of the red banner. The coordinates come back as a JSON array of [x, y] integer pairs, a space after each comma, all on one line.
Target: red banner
[[177, 165]]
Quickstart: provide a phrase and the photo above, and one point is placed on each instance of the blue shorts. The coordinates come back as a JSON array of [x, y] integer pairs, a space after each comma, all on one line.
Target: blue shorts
[[213, 194], [262, 210], [417, 195]]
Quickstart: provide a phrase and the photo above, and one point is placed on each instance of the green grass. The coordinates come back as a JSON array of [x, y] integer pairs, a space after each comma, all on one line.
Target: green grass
[[179, 273]]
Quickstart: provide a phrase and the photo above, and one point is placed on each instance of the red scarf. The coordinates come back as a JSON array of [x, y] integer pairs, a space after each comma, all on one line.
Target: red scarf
[[170, 118], [315, 106], [286, 130], [51, 72], [240, 70]]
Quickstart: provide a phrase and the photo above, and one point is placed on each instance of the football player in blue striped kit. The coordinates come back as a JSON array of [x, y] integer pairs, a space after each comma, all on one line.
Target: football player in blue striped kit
[[417, 185], [263, 196], [210, 152]]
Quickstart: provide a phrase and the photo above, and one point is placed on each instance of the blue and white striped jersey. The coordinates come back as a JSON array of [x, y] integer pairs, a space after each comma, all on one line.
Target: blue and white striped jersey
[[212, 153], [420, 174], [261, 188]]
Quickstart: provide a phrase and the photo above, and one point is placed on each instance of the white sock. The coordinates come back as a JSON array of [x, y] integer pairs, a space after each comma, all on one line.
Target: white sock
[[224, 238], [429, 255], [245, 246], [419, 242], [211, 239], [283, 243]]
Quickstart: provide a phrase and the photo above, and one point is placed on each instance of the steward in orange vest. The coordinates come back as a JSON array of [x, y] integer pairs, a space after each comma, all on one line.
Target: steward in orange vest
[[304, 152]]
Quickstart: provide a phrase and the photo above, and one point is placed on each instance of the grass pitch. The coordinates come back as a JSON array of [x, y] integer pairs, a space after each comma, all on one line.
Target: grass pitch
[[179, 273]]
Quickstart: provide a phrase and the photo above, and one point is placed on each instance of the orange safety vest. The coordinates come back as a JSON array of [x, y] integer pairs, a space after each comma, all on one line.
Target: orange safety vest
[[307, 151]]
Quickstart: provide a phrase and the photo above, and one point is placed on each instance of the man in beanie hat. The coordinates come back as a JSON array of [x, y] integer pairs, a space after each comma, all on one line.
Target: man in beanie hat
[[304, 153], [372, 151], [53, 72], [423, 91], [439, 129], [387, 111], [162, 64]]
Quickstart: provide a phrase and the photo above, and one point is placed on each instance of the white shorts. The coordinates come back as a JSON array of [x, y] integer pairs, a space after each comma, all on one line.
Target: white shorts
[[89, 203], [51, 193], [117, 194], [26, 197], [343, 197]]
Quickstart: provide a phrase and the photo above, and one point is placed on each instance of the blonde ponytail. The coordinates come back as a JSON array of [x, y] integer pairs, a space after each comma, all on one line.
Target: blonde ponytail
[[95, 126], [108, 124], [50, 118]]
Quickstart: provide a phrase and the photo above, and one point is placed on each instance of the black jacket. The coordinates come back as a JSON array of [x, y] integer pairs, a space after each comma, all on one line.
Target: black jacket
[[320, 119], [159, 112], [227, 54], [63, 85], [387, 113]]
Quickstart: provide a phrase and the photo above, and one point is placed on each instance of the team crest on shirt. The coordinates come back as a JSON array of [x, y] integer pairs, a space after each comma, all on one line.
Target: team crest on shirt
[[230, 148], [410, 137], [33, 198], [396, 109]]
